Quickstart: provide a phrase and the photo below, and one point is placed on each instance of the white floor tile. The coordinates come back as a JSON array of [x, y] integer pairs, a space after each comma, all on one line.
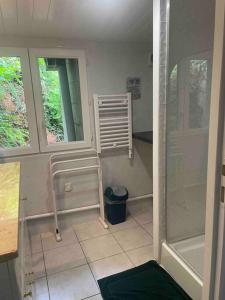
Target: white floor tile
[[100, 247], [142, 217], [64, 258], [38, 265], [141, 255], [141, 211], [89, 230], [49, 241], [40, 289], [110, 265], [129, 223], [96, 297], [133, 238], [74, 284], [148, 227], [35, 243]]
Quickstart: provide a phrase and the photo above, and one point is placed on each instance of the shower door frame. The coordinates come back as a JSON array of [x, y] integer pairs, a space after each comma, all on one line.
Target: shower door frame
[[161, 18], [214, 269]]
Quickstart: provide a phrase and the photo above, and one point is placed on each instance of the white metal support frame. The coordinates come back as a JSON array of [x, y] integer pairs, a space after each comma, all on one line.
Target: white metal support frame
[[55, 169], [113, 121]]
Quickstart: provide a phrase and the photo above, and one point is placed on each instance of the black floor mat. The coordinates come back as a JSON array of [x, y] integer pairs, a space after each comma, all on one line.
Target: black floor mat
[[146, 282]]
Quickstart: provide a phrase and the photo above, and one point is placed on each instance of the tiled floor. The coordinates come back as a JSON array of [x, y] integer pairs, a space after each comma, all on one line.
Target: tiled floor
[[70, 269]]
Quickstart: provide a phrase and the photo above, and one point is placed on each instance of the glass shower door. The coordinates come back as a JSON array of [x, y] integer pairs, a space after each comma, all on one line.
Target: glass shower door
[[187, 124]]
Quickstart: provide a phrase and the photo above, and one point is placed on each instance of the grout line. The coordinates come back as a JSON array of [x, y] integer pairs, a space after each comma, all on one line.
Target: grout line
[[85, 257], [89, 268], [70, 268], [46, 277], [124, 252], [96, 237], [70, 242], [80, 241], [91, 296], [147, 230], [132, 248], [90, 262], [42, 276], [141, 224], [95, 279], [33, 253], [132, 227]]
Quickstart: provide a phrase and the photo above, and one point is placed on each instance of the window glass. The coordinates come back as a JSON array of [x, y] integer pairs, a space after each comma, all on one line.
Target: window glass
[[61, 96], [14, 130]]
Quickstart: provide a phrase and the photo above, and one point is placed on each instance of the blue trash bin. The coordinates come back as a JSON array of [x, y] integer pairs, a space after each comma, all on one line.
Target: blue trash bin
[[115, 204]]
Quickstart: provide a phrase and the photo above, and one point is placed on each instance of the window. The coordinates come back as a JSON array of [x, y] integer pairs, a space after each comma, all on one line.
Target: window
[[43, 101], [60, 84], [18, 133], [14, 129], [60, 89]]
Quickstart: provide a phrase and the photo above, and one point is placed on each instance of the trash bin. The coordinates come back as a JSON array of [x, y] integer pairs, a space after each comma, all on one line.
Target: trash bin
[[115, 204]]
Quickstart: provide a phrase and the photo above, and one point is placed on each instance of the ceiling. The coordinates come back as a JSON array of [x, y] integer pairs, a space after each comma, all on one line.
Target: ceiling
[[101, 20]]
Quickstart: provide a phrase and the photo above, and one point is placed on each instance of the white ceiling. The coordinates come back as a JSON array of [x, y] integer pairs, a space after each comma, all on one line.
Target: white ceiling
[[102, 20]]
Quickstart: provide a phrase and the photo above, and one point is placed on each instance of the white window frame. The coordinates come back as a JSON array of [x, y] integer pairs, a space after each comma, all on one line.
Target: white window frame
[[22, 53], [34, 54]]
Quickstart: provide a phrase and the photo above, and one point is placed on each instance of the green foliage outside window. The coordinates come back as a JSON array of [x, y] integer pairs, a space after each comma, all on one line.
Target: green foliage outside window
[[14, 130], [13, 122], [52, 102]]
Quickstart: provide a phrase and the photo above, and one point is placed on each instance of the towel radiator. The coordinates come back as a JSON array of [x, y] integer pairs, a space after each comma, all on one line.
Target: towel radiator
[[113, 121]]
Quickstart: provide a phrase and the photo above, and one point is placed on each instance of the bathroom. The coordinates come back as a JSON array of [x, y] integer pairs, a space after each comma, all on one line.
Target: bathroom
[[164, 58]]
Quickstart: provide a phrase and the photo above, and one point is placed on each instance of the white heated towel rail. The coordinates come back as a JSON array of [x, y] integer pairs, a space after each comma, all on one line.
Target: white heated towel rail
[[113, 121]]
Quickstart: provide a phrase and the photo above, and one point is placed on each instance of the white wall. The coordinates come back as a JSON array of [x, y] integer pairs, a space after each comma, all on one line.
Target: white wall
[[108, 66], [191, 28]]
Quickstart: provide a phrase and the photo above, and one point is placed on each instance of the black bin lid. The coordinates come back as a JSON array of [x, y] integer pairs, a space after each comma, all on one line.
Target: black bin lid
[[116, 193]]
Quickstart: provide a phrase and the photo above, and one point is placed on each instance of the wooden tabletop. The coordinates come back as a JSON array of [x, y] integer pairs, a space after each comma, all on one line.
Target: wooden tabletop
[[9, 210]]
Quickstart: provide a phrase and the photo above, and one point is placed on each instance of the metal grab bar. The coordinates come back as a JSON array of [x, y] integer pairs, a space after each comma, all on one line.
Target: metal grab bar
[[73, 160], [74, 170]]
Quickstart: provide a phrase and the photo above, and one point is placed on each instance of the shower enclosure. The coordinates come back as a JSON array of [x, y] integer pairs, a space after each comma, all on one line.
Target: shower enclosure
[[189, 71], [183, 54]]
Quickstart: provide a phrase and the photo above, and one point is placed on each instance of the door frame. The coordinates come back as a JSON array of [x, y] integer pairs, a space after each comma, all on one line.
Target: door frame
[[215, 151], [22, 53], [161, 16]]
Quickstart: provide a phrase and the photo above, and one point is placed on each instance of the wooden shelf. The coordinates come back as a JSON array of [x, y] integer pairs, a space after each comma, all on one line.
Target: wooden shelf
[[9, 210]]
